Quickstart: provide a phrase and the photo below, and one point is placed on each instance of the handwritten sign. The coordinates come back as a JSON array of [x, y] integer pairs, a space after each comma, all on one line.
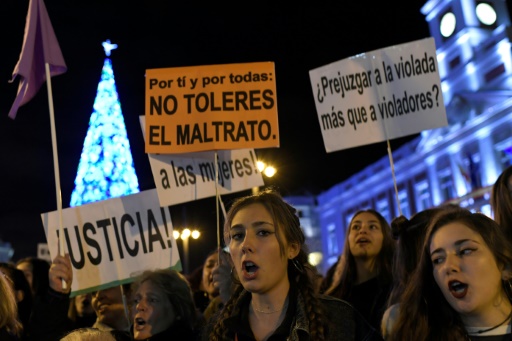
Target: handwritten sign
[[215, 107], [379, 95]]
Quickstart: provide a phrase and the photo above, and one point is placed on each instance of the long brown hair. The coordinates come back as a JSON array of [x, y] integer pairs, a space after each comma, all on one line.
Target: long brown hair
[[501, 202], [288, 227], [383, 262], [424, 313], [410, 236]]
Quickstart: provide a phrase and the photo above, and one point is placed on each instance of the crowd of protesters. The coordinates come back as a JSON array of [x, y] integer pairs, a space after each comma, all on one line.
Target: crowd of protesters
[[442, 274]]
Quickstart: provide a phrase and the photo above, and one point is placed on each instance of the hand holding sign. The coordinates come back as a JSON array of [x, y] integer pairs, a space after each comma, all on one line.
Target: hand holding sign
[[61, 271]]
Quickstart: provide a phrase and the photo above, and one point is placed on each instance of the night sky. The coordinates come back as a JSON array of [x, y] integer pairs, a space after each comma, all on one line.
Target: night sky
[[157, 34]]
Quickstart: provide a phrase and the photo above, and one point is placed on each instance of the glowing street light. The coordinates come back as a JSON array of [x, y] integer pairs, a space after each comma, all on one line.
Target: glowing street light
[[184, 236], [265, 169]]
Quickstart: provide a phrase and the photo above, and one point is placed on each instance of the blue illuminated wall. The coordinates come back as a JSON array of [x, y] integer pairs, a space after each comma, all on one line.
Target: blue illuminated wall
[[106, 166]]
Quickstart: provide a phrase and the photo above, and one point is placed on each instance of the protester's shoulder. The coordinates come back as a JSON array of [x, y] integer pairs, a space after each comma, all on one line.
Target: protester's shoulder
[[331, 303], [348, 318]]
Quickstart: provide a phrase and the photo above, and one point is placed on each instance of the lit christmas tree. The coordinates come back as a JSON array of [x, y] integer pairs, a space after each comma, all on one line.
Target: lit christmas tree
[[106, 166]]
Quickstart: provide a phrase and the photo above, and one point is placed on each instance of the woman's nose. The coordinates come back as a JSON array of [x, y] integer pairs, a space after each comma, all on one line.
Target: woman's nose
[[452, 263], [140, 306], [247, 245]]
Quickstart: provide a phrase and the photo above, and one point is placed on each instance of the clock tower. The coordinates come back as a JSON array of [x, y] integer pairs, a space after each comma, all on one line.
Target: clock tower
[[470, 36]]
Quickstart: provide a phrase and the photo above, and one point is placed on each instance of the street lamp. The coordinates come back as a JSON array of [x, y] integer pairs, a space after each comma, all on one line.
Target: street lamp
[[265, 169], [184, 236]]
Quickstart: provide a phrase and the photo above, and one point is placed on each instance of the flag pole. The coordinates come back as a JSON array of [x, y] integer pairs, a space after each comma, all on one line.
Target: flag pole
[[55, 162]]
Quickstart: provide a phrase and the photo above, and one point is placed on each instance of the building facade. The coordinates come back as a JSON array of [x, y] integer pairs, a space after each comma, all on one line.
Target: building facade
[[458, 163]]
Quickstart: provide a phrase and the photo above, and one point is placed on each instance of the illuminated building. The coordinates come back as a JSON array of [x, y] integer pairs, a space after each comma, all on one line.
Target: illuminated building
[[458, 163]]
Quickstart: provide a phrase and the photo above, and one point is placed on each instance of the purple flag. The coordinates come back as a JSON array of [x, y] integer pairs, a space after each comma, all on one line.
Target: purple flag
[[40, 46]]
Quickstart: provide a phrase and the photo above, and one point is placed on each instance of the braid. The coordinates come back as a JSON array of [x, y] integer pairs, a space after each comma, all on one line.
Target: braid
[[314, 310], [219, 328]]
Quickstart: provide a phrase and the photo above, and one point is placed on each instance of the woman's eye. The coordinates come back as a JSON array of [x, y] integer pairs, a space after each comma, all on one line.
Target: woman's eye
[[264, 233], [466, 251], [355, 227], [236, 236], [437, 260]]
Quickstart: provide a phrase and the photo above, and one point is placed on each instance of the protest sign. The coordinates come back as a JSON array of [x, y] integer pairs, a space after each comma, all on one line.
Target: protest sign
[[379, 95], [112, 241], [182, 178], [214, 107]]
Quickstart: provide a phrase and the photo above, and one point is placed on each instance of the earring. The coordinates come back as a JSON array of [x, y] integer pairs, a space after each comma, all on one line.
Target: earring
[[297, 265]]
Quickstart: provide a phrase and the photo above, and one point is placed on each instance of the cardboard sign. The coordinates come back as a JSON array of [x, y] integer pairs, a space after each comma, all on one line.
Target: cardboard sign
[[379, 95], [214, 107], [110, 242], [182, 178]]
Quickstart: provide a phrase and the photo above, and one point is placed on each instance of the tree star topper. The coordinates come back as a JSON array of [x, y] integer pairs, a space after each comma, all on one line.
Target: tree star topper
[[108, 47]]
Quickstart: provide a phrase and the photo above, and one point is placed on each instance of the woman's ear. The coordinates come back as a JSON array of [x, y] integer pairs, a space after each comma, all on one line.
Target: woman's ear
[[293, 250], [20, 295], [506, 272]]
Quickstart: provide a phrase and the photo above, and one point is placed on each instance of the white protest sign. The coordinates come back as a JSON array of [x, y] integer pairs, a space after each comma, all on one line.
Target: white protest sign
[[379, 95], [181, 178], [112, 241]]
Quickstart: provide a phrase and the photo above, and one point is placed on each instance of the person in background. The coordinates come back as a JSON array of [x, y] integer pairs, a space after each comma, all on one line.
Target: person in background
[[22, 292], [36, 271], [81, 312], [49, 320], [364, 271], [223, 282], [201, 281], [163, 307], [10, 327], [410, 236], [111, 309], [461, 287], [501, 201], [276, 299], [88, 334]]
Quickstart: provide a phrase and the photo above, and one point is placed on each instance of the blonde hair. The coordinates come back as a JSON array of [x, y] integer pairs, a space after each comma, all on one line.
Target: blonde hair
[[8, 308], [88, 334]]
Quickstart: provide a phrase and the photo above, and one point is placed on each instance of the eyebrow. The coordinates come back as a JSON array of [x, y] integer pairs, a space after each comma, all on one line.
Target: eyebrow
[[360, 221], [457, 243], [254, 224]]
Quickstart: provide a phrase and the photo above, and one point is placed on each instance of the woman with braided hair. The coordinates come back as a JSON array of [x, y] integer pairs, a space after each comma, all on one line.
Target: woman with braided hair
[[276, 299]]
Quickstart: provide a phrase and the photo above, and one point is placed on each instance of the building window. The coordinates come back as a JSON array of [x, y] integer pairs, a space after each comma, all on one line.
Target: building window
[[423, 195], [404, 203], [383, 209], [506, 157], [446, 184], [332, 241]]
